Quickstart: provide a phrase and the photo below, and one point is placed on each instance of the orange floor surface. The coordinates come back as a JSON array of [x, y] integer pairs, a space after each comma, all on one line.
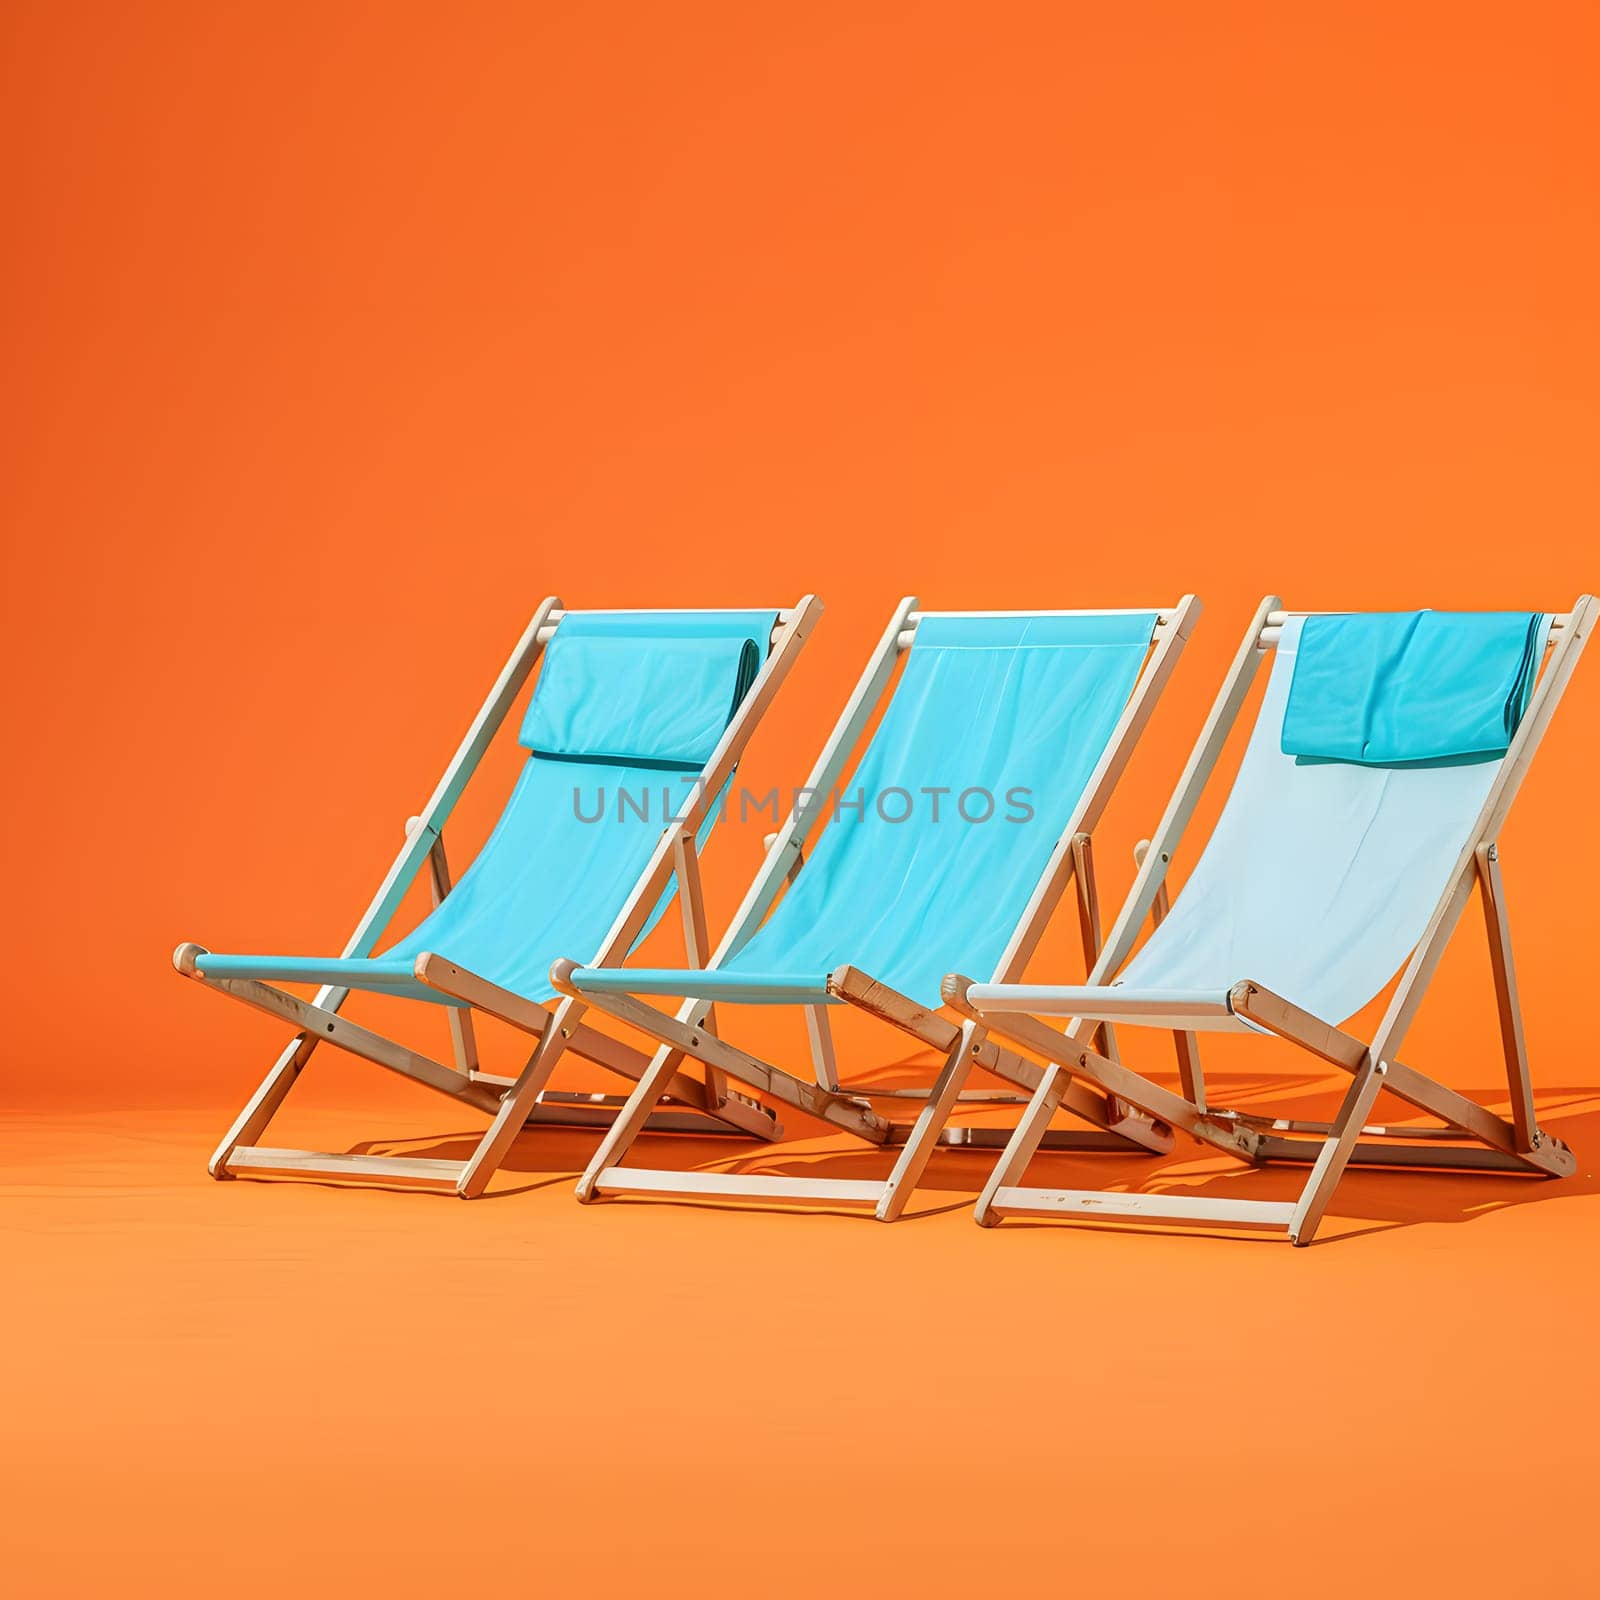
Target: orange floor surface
[[284, 1388]]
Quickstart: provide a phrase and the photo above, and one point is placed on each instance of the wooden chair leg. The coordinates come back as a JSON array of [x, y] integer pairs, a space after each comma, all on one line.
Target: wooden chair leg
[[930, 1123], [631, 1119], [518, 1102], [1335, 1155], [819, 1035], [263, 1105], [1025, 1140], [1507, 1002]]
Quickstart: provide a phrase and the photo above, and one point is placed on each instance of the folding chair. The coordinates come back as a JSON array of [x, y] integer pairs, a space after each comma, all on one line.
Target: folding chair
[[633, 711], [992, 713], [1330, 869]]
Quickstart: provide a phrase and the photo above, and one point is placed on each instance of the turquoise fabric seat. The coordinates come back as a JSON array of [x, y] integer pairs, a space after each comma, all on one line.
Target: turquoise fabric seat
[[928, 860], [627, 710]]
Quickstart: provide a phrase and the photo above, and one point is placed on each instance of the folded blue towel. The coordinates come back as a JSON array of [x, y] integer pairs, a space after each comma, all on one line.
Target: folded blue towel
[[644, 695], [1386, 688]]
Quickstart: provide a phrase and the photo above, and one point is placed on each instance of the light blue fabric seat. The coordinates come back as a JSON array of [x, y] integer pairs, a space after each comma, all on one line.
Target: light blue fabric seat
[[930, 857], [1324, 867], [628, 708]]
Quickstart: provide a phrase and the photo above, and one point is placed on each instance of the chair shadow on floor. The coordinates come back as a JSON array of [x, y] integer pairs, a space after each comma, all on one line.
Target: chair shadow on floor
[[1368, 1200], [551, 1156], [1383, 1199], [543, 1158]]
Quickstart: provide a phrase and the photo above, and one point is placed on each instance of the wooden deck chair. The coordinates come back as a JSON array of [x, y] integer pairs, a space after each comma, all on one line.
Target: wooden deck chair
[[1323, 878], [993, 711], [645, 711]]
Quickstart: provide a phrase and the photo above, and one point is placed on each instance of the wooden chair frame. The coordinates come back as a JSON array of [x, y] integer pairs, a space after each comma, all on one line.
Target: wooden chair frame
[[511, 1103], [1467, 1135], [964, 1044]]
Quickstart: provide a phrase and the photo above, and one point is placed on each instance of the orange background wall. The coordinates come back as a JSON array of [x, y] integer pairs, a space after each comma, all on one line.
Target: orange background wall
[[337, 336]]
